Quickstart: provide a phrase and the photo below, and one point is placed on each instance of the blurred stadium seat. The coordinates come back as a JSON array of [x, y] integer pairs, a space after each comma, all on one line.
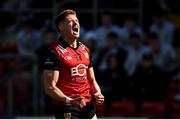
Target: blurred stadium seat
[[172, 90], [153, 110], [175, 111], [122, 108]]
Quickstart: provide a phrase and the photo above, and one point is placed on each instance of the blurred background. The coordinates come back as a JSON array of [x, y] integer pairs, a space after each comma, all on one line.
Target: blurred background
[[135, 46]]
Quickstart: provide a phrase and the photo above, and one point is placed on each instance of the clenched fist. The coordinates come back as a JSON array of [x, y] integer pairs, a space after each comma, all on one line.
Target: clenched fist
[[79, 101], [99, 98]]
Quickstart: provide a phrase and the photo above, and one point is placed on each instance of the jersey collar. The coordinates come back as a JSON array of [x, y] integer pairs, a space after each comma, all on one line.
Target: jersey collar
[[64, 44]]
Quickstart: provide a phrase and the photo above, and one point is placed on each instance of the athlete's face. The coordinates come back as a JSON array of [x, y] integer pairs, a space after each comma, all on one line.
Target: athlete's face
[[71, 26]]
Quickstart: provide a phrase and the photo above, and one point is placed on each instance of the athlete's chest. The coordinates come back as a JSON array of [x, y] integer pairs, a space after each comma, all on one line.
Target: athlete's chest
[[73, 57]]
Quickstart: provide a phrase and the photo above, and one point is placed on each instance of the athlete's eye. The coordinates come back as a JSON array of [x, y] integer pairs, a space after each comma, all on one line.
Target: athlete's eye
[[76, 20]]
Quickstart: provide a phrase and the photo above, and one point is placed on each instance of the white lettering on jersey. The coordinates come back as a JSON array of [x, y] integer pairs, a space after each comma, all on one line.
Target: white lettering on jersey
[[79, 70], [68, 58]]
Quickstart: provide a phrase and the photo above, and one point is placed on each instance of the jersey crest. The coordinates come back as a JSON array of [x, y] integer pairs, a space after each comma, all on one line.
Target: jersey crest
[[85, 51]]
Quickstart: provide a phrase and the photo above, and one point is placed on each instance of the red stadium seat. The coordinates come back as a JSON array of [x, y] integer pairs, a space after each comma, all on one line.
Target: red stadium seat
[[172, 90], [20, 90], [153, 110], [122, 108], [173, 86], [175, 111]]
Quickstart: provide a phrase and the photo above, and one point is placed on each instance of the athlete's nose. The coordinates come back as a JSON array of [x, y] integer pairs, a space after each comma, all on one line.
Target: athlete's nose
[[75, 23]]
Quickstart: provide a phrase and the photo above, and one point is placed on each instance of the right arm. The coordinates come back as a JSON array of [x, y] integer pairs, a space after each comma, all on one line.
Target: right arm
[[51, 76], [50, 80]]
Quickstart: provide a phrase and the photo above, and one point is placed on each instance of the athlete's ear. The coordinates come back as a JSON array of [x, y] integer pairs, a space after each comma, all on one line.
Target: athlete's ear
[[61, 26]]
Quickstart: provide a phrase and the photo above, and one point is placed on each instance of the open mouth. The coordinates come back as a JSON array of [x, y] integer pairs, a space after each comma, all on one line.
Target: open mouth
[[75, 29]]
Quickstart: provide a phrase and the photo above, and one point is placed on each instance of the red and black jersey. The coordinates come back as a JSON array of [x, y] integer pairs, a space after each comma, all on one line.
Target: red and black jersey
[[72, 64]]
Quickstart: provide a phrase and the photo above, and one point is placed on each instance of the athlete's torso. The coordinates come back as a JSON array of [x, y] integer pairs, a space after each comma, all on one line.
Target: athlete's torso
[[73, 81]]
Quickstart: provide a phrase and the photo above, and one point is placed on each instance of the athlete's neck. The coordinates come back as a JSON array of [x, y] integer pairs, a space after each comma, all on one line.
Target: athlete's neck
[[71, 41], [74, 44]]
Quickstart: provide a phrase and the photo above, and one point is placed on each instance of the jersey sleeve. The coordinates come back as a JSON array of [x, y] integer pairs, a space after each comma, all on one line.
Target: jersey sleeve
[[90, 57], [91, 61], [52, 61]]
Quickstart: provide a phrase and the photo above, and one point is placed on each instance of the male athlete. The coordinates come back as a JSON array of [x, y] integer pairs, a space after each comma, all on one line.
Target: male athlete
[[68, 73]]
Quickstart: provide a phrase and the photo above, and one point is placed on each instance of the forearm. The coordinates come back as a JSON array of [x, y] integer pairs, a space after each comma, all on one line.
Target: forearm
[[56, 94], [96, 91], [93, 84], [50, 80]]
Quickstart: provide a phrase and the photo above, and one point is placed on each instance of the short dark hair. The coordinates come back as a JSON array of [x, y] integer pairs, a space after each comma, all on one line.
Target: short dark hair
[[61, 16]]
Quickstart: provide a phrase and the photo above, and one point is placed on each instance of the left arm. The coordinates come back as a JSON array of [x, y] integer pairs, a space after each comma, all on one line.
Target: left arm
[[94, 86]]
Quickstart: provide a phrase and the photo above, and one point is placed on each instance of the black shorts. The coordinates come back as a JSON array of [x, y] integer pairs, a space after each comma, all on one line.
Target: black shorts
[[72, 112]]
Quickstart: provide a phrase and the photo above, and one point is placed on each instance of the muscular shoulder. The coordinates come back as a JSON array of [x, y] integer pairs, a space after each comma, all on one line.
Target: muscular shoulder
[[52, 60]]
